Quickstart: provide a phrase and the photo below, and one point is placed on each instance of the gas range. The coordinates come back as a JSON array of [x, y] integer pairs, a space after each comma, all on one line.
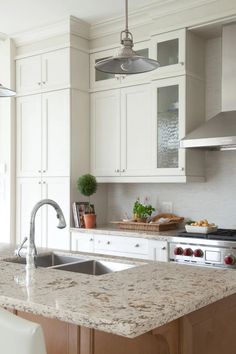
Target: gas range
[[216, 249]]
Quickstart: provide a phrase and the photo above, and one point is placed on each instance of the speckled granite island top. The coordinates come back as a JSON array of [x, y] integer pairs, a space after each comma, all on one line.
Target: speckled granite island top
[[128, 303]]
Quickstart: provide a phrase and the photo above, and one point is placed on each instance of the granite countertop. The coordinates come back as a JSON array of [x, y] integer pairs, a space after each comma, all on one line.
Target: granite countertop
[[114, 231], [127, 303]]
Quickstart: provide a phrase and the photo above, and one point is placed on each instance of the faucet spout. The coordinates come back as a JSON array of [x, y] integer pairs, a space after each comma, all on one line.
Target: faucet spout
[[31, 250]]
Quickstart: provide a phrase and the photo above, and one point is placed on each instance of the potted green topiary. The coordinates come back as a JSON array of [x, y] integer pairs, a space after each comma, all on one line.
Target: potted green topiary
[[87, 185], [142, 211]]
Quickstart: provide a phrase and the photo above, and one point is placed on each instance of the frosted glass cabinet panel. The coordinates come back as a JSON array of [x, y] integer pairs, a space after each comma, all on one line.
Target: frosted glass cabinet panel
[[167, 126], [169, 115]]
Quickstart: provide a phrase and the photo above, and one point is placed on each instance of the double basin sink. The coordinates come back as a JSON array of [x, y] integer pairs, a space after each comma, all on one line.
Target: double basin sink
[[74, 264]]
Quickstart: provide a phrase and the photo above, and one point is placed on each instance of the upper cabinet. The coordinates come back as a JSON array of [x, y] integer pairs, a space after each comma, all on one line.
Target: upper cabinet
[[169, 49], [43, 72], [43, 135], [100, 80]]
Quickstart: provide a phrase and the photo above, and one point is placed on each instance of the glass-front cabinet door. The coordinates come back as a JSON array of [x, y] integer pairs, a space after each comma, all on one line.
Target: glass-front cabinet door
[[169, 116], [169, 50]]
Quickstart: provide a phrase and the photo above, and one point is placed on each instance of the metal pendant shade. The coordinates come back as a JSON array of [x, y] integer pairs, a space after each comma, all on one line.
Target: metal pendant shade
[[6, 92], [126, 61]]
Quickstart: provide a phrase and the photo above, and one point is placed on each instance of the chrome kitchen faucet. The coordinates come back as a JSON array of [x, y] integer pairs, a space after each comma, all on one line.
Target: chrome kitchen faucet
[[31, 249]]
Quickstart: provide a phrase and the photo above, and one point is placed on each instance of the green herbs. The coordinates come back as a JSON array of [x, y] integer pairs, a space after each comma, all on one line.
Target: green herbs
[[87, 185], [142, 210]]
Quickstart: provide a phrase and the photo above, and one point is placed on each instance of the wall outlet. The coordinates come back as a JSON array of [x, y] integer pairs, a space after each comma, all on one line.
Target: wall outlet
[[166, 207]]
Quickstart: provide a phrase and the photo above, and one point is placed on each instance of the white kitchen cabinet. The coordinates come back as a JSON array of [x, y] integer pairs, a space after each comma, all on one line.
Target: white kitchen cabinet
[[28, 74], [29, 192], [122, 142], [43, 134], [121, 246], [158, 250], [169, 49], [82, 242], [105, 133], [43, 72], [137, 131], [29, 136], [57, 189], [56, 133]]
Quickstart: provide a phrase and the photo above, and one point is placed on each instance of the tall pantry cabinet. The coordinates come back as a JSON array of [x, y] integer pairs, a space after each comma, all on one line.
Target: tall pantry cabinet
[[52, 125]]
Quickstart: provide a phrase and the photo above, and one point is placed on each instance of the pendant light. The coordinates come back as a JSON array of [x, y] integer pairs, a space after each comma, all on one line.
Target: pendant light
[[126, 61], [6, 92]]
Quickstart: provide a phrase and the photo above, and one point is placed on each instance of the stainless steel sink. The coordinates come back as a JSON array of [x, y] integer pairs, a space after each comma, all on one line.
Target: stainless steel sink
[[94, 267], [74, 264], [47, 260]]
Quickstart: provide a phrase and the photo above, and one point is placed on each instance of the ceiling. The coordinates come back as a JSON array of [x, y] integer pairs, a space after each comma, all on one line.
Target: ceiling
[[22, 15]]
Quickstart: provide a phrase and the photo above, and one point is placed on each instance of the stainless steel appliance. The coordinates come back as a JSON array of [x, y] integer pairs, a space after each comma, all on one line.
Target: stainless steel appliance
[[217, 249]]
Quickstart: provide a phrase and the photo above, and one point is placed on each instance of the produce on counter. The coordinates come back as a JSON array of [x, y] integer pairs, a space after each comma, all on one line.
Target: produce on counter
[[204, 223]]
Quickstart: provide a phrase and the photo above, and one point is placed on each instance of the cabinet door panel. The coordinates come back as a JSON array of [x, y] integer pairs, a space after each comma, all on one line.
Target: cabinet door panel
[[137, 131], [29, 136], [56, 134], [28, 194], [158, 250], [105, 133], [28, 74], [56, 69], [57, 189], [82, 242]]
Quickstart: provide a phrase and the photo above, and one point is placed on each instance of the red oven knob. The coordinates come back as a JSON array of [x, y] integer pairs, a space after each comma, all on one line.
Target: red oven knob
[[230, 260], [188, 252], [198, 253], [178, 251]]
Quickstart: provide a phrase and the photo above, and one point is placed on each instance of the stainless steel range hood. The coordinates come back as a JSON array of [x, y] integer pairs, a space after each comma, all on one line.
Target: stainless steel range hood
[[219, 132]]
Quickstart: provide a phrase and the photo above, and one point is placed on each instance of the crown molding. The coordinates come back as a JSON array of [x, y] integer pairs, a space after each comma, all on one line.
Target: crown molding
[[69, 25], [144, 16]]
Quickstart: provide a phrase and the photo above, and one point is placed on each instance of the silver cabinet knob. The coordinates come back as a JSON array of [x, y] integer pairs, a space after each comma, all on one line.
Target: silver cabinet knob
[[123, 170], [44, 82], [39, 83], [39, 171], [108, 242], [163, 248], [137, 245], [117, 170], [181, 63], [44, 182], [39, 182], [91, 240], [44, 171]]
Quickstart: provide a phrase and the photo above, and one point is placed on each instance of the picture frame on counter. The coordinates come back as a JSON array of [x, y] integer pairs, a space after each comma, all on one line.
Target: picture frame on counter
[[78, 210]]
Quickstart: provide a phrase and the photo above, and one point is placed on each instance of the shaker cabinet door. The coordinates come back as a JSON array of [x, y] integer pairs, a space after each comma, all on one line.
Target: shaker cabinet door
[[105, 133], [137, 131], [28, 75], [29, 192], [56, 134], [29, 129]]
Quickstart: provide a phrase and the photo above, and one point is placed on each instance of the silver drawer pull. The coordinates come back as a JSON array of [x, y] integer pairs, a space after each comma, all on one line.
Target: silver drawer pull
[[108, 242], [137, 245]]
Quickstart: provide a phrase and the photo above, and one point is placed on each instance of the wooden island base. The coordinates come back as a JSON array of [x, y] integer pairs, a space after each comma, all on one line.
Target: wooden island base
[[210, 330]]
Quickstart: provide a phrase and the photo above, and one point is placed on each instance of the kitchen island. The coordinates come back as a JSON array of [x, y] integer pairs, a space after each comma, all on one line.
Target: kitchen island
[[155, 307]]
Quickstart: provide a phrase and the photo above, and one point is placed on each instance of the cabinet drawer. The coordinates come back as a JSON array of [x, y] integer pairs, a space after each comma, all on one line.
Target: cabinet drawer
[[82, 242], [131, 245]]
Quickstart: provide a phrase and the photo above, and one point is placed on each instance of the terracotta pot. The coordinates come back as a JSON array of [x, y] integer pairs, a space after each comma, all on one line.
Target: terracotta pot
[[90, 221]]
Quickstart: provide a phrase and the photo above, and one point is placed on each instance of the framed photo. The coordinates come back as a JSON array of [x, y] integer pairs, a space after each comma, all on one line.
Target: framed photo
[[81, 209]]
